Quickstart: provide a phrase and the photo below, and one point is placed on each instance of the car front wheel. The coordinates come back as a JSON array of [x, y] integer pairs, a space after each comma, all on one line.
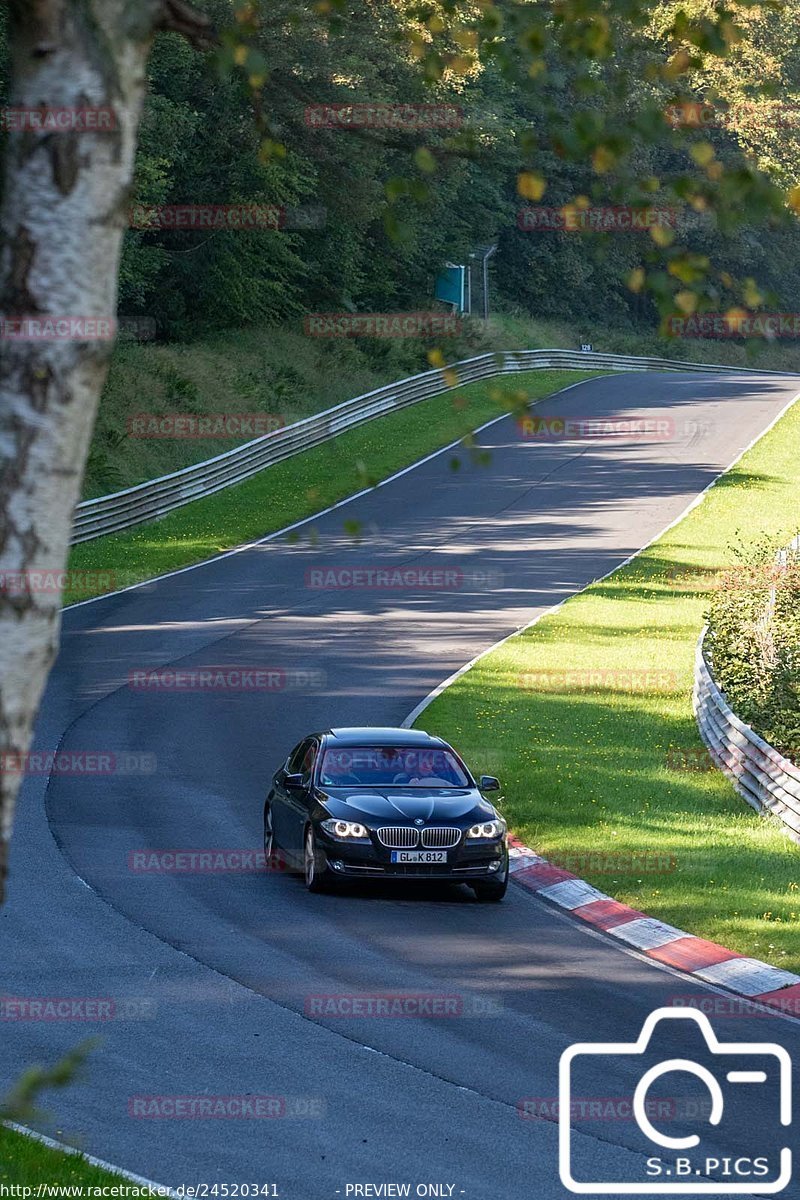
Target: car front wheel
[[489, 890], [318, 875]]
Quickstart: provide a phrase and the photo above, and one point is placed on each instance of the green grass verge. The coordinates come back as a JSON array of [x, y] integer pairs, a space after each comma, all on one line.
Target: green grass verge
[[302, 485], [605, 766], [27, 1162], [260, 369]]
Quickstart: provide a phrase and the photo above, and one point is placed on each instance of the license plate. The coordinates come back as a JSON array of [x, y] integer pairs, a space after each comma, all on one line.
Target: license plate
[[419, 856]]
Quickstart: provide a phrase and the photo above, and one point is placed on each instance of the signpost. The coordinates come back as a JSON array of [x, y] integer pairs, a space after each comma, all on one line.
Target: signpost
[[452, 287], [484, 253]]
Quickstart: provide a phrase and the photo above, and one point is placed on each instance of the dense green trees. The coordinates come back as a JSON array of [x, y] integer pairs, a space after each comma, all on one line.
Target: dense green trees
[[400, 202], [542, 91]]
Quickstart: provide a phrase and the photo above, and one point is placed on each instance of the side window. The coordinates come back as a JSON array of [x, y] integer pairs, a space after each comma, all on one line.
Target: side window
[[307, 764], [294, 763]]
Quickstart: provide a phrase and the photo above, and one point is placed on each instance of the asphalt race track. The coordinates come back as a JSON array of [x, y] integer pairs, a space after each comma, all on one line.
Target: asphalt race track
[[216, 978]]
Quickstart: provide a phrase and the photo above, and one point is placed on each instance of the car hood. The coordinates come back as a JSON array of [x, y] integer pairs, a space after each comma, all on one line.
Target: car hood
[[395, 804]]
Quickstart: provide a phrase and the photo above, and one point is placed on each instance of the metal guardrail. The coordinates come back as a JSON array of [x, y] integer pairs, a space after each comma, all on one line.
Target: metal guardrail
[[768, 781], [157, 497]]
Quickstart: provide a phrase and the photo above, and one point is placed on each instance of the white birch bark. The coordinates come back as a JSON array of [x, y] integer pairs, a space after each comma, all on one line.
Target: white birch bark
[[63, 214]]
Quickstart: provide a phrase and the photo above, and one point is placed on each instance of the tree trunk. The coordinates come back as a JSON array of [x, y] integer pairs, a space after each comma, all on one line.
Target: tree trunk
[[62, 219]]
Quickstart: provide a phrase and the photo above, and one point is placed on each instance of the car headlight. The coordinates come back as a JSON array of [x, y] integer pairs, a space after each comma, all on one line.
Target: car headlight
[[345, 830], [489, 829]]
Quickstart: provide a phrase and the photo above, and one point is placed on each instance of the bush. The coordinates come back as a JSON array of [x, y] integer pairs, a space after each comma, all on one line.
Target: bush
[[754, 641]]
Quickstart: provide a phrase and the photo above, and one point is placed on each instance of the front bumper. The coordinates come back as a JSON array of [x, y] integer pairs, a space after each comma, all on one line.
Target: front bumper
[[469, 860]]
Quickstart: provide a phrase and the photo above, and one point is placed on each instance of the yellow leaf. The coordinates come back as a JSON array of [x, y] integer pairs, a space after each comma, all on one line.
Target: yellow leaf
[[636, 279], [688, 270], [677, 64], [436, 24], [702, 153], [794, 198], [603, 160], [686, 302], [467, 39], [269, 150], [531, 185], [436, 358], [662, 236], [240, 55], [729, 32], [751, 295], [734, 317], [450, 378], [572, 217]]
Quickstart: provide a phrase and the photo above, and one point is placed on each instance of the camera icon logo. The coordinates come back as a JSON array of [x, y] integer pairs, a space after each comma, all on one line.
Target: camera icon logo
[[675, 1170]]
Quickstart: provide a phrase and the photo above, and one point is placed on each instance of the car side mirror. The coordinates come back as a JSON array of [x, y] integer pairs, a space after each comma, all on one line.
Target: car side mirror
[[488, 783], [293, 781]]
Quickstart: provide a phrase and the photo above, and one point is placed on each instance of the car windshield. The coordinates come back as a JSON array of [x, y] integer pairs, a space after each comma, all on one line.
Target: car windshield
[[392, 766]]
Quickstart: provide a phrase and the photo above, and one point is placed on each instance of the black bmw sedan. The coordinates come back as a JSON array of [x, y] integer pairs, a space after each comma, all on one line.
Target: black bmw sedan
[[384, 804]]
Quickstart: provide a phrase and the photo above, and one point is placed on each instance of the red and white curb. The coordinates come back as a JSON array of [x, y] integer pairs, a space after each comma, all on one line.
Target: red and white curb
[[704, 960]]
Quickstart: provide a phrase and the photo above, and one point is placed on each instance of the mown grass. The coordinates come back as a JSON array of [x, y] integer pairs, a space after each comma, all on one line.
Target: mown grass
[[27, 1162], [303, 485], [612, 765]]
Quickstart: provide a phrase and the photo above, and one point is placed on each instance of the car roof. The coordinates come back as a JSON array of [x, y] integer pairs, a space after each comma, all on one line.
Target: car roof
[[375, 735]]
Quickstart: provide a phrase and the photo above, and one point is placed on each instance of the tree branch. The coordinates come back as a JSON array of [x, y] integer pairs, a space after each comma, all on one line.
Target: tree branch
[[179, 17]]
